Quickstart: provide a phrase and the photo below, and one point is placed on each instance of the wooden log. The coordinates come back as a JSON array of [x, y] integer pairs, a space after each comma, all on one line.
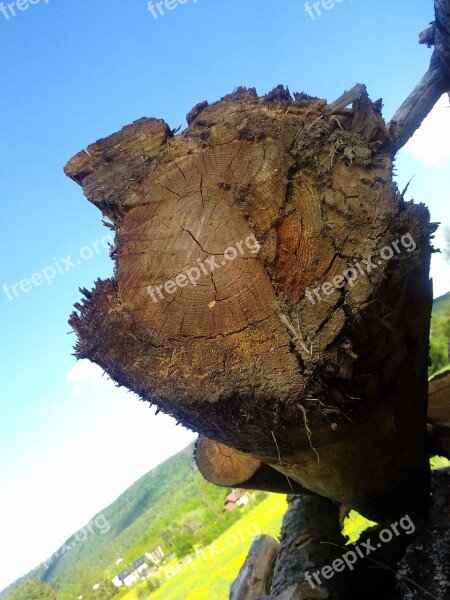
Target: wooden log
[[310, 540], [224, 466], [439, 414], [255, 576], [439, 399], [263, 353]]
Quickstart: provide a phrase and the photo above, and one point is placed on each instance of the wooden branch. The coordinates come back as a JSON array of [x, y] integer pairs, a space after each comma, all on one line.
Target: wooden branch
[[427, 36], [435, 82], [227, 467], [255, 576]]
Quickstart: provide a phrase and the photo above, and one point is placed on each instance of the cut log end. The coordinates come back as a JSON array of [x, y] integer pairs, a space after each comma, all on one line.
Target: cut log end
[[222, 465], [242, 349]]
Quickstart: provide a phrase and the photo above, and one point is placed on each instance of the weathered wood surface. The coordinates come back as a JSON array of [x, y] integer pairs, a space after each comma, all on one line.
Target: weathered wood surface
[[325, 382], [439, 399], [433, 84], [255, 577], [331, 392], [439, 414]]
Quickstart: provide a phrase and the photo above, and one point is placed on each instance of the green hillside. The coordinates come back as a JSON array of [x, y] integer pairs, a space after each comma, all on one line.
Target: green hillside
[[440, 335], [441, 305], [171, 506]]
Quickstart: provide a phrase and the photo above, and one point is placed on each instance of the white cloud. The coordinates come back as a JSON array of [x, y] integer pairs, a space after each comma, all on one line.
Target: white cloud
[[86, 377], [84, 370], [75, 391], [440, 267], [430, 144]]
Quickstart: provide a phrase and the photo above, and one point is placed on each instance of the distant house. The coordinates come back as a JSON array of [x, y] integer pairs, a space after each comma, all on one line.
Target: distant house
[[119, 580], [140, 564], [130, 575], [236, 498], [155, 555], [244, 500]]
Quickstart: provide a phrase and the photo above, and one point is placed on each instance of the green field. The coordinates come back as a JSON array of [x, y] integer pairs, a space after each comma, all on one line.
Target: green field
[[212, 570]]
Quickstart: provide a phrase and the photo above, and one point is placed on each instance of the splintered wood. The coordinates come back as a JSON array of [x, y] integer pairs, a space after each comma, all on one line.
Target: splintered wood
[[270, 283]]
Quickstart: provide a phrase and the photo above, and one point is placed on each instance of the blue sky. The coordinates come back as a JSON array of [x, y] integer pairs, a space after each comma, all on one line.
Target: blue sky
[[75, 71]]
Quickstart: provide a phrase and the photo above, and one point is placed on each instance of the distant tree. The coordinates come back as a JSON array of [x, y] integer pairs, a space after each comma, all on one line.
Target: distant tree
[[34, 590], [105, 590], [183, 545], [167, 536]]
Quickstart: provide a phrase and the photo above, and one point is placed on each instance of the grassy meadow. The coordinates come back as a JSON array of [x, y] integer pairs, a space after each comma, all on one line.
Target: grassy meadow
[[213, 569]]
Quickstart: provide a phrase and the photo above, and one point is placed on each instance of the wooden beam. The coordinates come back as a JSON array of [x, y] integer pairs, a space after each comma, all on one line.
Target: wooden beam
[[433, 84]]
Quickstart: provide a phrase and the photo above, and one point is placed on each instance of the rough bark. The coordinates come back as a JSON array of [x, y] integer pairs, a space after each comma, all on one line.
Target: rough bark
[[327, 393], [310, 540], [330, 392], [255, 577]]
